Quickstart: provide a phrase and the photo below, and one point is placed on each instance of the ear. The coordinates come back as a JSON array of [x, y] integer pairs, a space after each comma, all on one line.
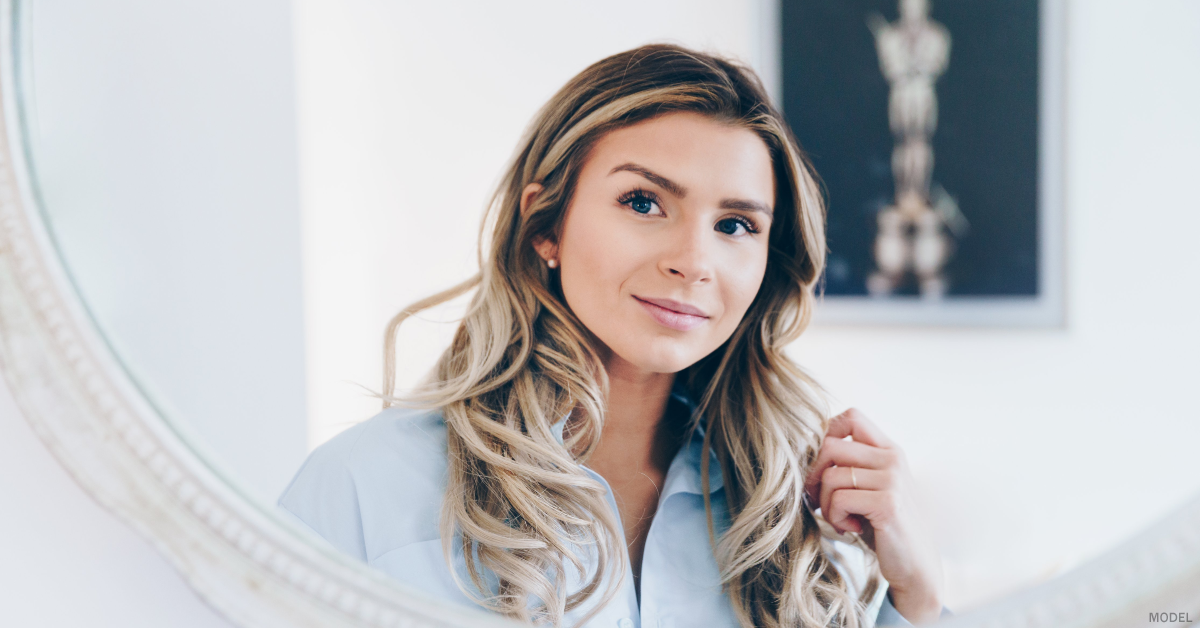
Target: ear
[[544, 246], [527, 195]]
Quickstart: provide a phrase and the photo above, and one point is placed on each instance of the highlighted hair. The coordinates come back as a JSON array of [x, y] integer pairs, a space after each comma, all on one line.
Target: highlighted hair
[[519, 505]]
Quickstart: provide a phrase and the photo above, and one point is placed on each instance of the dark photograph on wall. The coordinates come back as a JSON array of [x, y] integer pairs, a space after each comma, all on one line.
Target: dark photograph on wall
[[929, 126]]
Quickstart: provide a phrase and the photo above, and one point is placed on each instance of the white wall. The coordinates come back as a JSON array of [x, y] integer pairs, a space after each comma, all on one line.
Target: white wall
[[1034, 448], [165, 149]]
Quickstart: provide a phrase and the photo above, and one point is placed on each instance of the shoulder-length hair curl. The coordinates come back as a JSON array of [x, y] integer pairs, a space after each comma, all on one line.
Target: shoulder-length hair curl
[[523, 509]]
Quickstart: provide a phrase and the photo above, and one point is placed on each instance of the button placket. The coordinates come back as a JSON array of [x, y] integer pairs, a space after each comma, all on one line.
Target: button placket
[[654, 563], [626, 578]]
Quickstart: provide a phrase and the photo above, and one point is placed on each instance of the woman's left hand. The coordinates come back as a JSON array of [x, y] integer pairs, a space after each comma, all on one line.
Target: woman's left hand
[[882, 508]]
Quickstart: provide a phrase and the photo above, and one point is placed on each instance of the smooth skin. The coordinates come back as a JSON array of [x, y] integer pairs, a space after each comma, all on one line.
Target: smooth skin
[[697, 234]]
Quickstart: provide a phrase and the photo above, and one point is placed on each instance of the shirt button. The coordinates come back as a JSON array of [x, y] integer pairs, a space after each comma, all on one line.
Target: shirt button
[[625, 623]]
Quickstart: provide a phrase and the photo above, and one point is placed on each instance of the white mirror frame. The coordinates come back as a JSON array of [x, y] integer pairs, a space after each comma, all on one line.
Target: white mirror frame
[[256, 569]]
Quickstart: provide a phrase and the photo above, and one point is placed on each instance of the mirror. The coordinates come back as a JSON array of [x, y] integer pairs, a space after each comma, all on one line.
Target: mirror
[[244, 195], [166, 162]]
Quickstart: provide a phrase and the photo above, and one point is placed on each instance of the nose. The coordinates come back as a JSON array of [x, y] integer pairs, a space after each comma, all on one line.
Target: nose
[[688, 253]]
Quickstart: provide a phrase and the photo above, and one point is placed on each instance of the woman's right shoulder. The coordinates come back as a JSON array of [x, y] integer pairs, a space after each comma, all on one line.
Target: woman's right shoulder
[[395, 435], [375, 486]]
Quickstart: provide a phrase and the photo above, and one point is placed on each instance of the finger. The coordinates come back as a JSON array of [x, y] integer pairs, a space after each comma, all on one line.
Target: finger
[[850, 509], [855, 424], [851, 478], [841, 478], [845, 453]]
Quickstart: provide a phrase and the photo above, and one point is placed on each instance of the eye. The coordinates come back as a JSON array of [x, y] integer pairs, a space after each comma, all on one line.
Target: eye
[[732, 225], [640, 201]]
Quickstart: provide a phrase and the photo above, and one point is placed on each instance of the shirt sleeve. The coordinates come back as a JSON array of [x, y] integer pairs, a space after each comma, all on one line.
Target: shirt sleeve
[[889, 616]]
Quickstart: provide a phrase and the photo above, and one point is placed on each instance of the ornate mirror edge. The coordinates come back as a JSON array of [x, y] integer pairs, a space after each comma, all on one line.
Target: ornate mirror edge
[[258, 571], [249, 565]]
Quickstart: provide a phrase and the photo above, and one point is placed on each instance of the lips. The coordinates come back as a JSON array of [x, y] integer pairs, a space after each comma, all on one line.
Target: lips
[[673, 314]]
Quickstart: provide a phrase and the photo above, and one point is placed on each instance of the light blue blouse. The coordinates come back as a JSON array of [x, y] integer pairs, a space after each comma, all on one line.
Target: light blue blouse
[[375, 490]]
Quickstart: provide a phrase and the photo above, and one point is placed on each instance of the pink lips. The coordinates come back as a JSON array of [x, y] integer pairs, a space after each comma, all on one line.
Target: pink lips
[[673, 314]]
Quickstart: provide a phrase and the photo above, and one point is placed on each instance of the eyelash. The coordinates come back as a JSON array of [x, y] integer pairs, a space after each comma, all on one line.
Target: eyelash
[[638, 194], [643, 194], [749, 225]]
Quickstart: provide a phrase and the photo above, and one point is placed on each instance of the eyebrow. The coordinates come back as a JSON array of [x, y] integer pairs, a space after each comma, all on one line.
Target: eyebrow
[[680, 191]]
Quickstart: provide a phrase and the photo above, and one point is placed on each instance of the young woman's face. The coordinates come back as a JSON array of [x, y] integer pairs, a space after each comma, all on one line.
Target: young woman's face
[[664, 244]]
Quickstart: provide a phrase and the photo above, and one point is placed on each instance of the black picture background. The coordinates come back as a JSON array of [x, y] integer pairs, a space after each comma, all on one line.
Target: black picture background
[[985, 146]]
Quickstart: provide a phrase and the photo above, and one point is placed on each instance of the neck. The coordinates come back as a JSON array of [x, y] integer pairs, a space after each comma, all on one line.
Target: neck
[[639, 440], [641, 434], [637, 401]]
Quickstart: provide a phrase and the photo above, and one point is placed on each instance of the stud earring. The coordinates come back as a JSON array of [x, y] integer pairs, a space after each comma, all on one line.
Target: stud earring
[[552, 263]]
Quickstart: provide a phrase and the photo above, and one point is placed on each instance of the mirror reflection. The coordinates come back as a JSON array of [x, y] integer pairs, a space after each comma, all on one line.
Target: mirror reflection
[[617, 410], [163, 142]]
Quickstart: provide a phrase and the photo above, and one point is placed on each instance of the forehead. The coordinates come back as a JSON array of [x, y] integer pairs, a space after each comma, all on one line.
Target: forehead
[[692, 149]]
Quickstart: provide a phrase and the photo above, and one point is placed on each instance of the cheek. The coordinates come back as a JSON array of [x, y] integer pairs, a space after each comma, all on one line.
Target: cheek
[[597, 258], [740, 283]]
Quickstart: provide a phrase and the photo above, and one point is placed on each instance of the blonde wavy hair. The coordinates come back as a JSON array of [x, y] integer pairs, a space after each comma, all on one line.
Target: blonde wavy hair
[[518, 503]]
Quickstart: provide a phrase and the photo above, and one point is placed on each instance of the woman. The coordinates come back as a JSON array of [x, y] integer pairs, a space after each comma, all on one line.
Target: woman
[[615, 435]]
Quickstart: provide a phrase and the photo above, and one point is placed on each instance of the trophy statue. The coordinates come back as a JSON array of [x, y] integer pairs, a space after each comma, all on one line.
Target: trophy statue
[[913, 52]]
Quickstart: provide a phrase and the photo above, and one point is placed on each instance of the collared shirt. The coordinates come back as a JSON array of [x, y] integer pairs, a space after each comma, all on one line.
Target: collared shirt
[[375, 492]]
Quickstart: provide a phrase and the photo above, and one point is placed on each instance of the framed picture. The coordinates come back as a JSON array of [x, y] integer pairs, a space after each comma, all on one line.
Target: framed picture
[[935, 128]]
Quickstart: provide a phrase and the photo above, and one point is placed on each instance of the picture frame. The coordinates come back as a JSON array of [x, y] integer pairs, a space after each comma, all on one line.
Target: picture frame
[[983, 148]]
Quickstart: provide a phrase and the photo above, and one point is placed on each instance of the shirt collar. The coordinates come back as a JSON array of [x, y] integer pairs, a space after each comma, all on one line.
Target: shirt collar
[[683, 474]]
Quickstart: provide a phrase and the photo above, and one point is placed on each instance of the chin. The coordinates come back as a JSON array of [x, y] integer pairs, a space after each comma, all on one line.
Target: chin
[[659, 355]]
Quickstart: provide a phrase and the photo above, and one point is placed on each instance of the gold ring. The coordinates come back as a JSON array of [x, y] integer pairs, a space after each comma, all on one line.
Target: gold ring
[[852, 478]]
